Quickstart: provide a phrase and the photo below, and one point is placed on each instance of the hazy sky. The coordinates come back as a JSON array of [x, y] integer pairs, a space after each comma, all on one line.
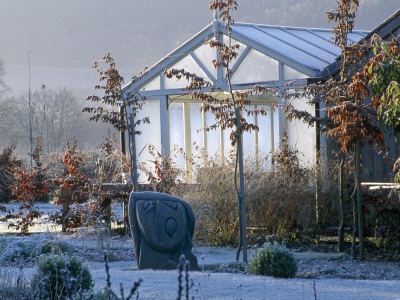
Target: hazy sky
[[74, 33]]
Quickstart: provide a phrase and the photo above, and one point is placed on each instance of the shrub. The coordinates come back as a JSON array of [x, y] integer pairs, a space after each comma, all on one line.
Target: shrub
[[214, 203], [273, 260], [279, 200], [7, 163], [14, 285], [74, 183], [24, 248], [59, 277]]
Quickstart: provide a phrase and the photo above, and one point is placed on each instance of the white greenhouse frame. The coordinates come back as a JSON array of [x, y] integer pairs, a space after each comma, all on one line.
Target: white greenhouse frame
[[271, 56]]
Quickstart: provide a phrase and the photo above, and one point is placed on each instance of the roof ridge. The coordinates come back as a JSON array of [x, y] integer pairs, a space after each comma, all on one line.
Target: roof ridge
[[288, 27]]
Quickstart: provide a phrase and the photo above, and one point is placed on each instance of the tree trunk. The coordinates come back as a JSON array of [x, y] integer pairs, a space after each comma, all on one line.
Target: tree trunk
[[355, 217], [133, 161], [355, 224], [317, 167], [66, 198], [341, 203], [357, 163], [241, 194]]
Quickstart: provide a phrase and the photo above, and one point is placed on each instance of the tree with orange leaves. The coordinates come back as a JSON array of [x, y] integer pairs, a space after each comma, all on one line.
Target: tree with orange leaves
[[350, 116]]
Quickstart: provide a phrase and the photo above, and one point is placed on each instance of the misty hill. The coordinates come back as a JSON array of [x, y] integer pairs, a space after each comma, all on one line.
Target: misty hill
[[72, 34]]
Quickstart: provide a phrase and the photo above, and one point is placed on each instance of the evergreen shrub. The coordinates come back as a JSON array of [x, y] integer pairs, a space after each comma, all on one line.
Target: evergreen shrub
[[273, 260], [59, 277], [8, 162]]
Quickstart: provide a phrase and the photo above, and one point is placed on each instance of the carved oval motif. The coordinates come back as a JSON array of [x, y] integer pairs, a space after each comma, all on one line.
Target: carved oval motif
[[170, 227]]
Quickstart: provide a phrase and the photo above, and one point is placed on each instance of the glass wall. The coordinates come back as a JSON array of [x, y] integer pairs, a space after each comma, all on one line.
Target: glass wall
[[196, 126], [188, 64], [256, 67], [151, 134], [176, 135]]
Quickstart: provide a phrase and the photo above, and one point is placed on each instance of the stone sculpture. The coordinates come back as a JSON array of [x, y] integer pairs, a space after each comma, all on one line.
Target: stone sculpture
[[162, 228]]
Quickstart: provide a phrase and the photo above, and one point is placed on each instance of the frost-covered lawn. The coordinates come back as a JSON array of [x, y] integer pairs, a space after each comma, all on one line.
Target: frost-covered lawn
[[207, 284], [221, 285], [163, 285]]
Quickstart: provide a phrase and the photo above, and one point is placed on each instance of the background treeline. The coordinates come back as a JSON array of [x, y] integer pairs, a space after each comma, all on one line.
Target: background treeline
[[56, 114]]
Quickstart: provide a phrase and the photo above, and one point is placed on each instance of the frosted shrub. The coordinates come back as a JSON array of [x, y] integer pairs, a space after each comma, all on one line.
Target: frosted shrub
[[60, 277], [20, 249], [279, 200], [273, 260], [25, 248], [214, 203]]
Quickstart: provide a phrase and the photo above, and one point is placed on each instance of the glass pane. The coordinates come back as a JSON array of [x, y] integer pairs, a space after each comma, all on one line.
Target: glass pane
[[228, 148], [262, 37], [264, 133], [176, 134], [206, 55], [300, 43], [327, 35], [239, 51], [290, 73], [212, 136], [152, 85], [196, 127], [249, 139], [256, 67], [300, 135], [151, 135], [315, 40], [189, 65]]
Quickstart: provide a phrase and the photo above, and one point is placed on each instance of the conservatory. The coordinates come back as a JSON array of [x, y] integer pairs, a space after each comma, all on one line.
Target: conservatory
[[271, 56]]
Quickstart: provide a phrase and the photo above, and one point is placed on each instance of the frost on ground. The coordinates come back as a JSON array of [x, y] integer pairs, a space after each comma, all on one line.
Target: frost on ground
[[335, 276]]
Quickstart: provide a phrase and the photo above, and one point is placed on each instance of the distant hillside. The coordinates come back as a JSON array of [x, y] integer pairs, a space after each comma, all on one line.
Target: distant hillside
[[72, 34]]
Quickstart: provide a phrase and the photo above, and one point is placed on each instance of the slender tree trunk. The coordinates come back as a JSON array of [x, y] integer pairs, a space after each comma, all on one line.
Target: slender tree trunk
[[355, 225], [357, 163], [241, 195], [134, 171], [122, 134], [239, 160], [66, 196], [317, 167], [341, 203]]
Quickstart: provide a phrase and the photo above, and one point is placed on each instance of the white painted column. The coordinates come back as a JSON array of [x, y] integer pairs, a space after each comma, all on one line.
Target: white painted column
[[221, 144], [204, 126], [256, 137], [164, 120], [282, 120], [272, 129]]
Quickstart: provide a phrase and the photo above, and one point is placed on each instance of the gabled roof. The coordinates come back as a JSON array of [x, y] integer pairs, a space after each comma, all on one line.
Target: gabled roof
[[307, 50], [303, 47]]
